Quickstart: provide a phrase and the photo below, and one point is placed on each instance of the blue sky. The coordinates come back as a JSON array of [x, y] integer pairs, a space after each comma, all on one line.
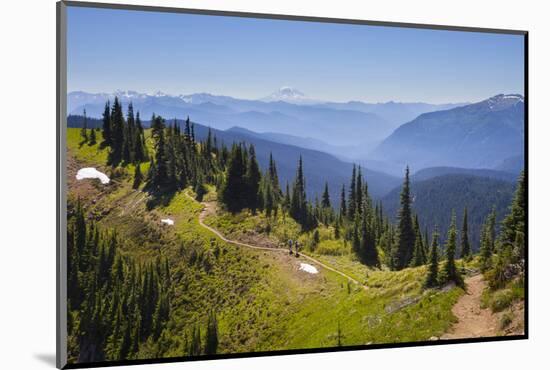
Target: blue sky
[[250, 58]]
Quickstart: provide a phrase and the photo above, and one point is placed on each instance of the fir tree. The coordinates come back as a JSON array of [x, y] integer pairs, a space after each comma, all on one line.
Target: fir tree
[[325, 200], [513, 226], [107, 124], [485, 250], [343, 208], [359, 192], [187, 132], [139, 141], [234, 189], [252, 178], [93, 138], [465, 250], [352, 195], [161, 168], [117, 133], [127, 142], [449, 272], [84, 129], [368, 244], [433, 267], [298, 202], [405, 232], [274, 177], [211, 341], [419, 258], [287, 200]]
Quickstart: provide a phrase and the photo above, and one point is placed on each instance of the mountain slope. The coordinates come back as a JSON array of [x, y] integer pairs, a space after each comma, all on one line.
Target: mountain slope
[[479, 135], [318, 166], [396, 113], [434, 199], [431, 172]]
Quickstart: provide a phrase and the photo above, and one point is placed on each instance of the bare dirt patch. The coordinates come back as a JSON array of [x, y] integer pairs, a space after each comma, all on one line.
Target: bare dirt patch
[[473, 321]]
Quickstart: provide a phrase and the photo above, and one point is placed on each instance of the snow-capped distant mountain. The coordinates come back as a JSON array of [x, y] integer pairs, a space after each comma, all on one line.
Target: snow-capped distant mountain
[[503, 101], [477, 135], [290, 95], [287, 111]]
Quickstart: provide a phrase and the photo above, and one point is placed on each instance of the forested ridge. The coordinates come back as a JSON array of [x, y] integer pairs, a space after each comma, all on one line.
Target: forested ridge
[[121, 304]]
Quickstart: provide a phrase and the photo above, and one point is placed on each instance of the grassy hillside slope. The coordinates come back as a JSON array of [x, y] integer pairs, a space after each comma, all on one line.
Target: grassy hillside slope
[[263, 301]]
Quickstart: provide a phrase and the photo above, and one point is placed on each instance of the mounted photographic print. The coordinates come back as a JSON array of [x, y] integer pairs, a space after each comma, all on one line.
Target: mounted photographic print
[[235, 184]]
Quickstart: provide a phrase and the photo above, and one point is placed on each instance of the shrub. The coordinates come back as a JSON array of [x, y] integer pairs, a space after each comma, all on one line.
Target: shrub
[[505, 321], [502, 300]]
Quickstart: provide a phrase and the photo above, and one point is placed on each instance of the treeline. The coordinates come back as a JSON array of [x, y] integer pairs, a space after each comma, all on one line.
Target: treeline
[[124, 136], [119, 308], [503, 255], [180, 161], [245, 186], [114, 303]]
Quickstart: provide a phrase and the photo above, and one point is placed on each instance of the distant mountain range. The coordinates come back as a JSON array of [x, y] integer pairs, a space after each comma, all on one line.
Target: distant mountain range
[[356, 125], [318, 166], [478, 135], [484, 140]]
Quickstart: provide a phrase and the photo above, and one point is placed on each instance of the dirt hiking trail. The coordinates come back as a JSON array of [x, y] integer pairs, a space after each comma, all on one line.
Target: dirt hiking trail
[[473, 321], [210, 208]]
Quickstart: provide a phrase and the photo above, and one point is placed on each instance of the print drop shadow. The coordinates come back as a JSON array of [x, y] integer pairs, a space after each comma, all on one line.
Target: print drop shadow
[[46, 358]]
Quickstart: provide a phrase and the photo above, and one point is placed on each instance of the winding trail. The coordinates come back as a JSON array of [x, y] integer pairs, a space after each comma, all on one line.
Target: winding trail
[[473, 321], [204, 213]]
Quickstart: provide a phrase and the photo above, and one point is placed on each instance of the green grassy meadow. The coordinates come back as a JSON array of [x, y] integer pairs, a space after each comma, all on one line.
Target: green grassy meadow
[[264, 302]]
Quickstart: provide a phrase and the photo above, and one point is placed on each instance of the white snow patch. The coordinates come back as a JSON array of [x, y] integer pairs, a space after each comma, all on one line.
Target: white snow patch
[[167, 221], [92, 173], [308, 268]]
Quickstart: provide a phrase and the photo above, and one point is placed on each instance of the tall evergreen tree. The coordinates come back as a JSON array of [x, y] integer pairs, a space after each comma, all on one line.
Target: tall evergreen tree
[[187, 131], [93, 138], [107, 124], [325, 200], [343, 208], [513, 226], [368, 243], [84, 129], [252, 177], [129, 133], [140, 152], [465, 249], [485, 249], [234, 189], [433, 267], [405, 232], [419, 258], [211, 342], [352, 195], [117, 133], [274, 177], [359, 192], [161, 168], [449, 273], [298, 202]]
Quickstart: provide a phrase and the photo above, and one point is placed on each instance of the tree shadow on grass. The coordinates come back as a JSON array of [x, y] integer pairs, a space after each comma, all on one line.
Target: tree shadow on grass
[[159, 198]]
